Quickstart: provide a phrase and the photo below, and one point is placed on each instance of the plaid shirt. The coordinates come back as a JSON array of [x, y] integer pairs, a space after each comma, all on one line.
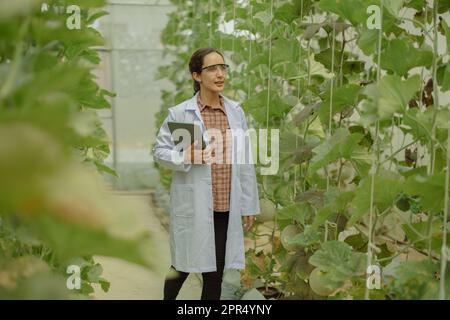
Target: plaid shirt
[[216, 117]]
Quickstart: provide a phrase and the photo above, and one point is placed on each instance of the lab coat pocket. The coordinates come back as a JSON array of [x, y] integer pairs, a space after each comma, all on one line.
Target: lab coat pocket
[[182, 202], [182, 199]]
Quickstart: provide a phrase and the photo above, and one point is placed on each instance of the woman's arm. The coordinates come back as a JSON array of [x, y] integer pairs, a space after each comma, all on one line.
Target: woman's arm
[[164, 152]]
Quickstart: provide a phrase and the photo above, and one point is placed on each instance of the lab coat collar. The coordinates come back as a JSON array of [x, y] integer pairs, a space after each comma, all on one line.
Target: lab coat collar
[[192, 103]]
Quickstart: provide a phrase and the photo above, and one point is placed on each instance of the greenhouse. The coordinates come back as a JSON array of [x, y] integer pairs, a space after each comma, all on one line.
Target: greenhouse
[[225, 150]]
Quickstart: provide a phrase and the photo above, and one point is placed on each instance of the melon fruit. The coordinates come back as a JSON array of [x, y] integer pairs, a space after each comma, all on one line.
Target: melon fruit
[[268, 210], [317, 282]]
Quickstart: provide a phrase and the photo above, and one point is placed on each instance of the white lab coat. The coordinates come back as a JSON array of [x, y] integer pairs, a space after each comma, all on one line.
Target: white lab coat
[[192, 243]]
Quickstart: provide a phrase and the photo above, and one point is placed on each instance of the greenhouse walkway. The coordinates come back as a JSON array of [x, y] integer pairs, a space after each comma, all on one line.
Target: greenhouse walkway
[[129, 281]]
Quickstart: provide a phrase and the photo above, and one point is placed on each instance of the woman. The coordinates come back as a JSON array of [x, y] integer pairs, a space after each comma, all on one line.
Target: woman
[[210, 196]]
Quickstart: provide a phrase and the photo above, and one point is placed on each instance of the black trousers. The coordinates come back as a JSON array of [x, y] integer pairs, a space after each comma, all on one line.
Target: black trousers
[[212, 281]]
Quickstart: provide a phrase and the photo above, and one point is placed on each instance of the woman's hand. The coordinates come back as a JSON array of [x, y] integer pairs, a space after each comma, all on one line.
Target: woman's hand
[[248, 222]]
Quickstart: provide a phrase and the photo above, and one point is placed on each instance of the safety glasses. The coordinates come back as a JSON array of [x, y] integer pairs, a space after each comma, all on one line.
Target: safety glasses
[[216, 67]]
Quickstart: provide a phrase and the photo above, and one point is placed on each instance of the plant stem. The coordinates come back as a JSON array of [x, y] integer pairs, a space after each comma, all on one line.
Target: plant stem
[[399, 150], [270, 66], [7, 86], [444, 249], [375, 161], [429, 230]]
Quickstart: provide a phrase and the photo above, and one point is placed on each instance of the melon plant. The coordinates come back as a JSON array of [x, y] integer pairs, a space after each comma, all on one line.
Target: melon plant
[[359, 91], [54, 212]]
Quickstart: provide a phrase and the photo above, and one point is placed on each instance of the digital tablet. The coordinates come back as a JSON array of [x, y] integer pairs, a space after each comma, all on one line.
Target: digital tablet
[[194, 132]]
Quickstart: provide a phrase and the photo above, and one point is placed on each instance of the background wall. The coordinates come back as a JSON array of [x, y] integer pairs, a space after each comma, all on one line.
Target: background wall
[[129, 64]]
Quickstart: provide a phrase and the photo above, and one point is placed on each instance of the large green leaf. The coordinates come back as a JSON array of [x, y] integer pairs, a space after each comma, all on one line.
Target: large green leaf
[[338, 260], [416, 280], [317, 69], [394, 6], [284, 50], [387, 187], [419, 124], [430, 189], [308, 237], [416, 4], [346, 96], [400, 56], [263, 16], [390, 96], [367, 40], [352, 10], [341, 145], [288, 12], [419, 232], [258, 60], [325, 57], [299, 212]]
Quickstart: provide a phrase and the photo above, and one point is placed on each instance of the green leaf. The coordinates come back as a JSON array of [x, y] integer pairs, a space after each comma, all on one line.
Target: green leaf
[[325, 57], [86, 288], [287, 13], [357, 241], [340, 263], [105, 284], [257, 106], [101, 167], [306, 238], [416, 4], [91, 56], [300, 212], [342, 97], [264, 17], [394, 6], [352, 66], [417, 233], [284, 193], [446, 28], [283, 50], [367, 40], [336, 203], [444, 6], [391, 96], [430, 189], [387, 187], [443, 76], [352, 10], [316, 68], [96, 15], [419, 124], [362, 160], [416, 280], [94, 273], [311, 30], [340, 145], [400, 56], [258, 60]]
